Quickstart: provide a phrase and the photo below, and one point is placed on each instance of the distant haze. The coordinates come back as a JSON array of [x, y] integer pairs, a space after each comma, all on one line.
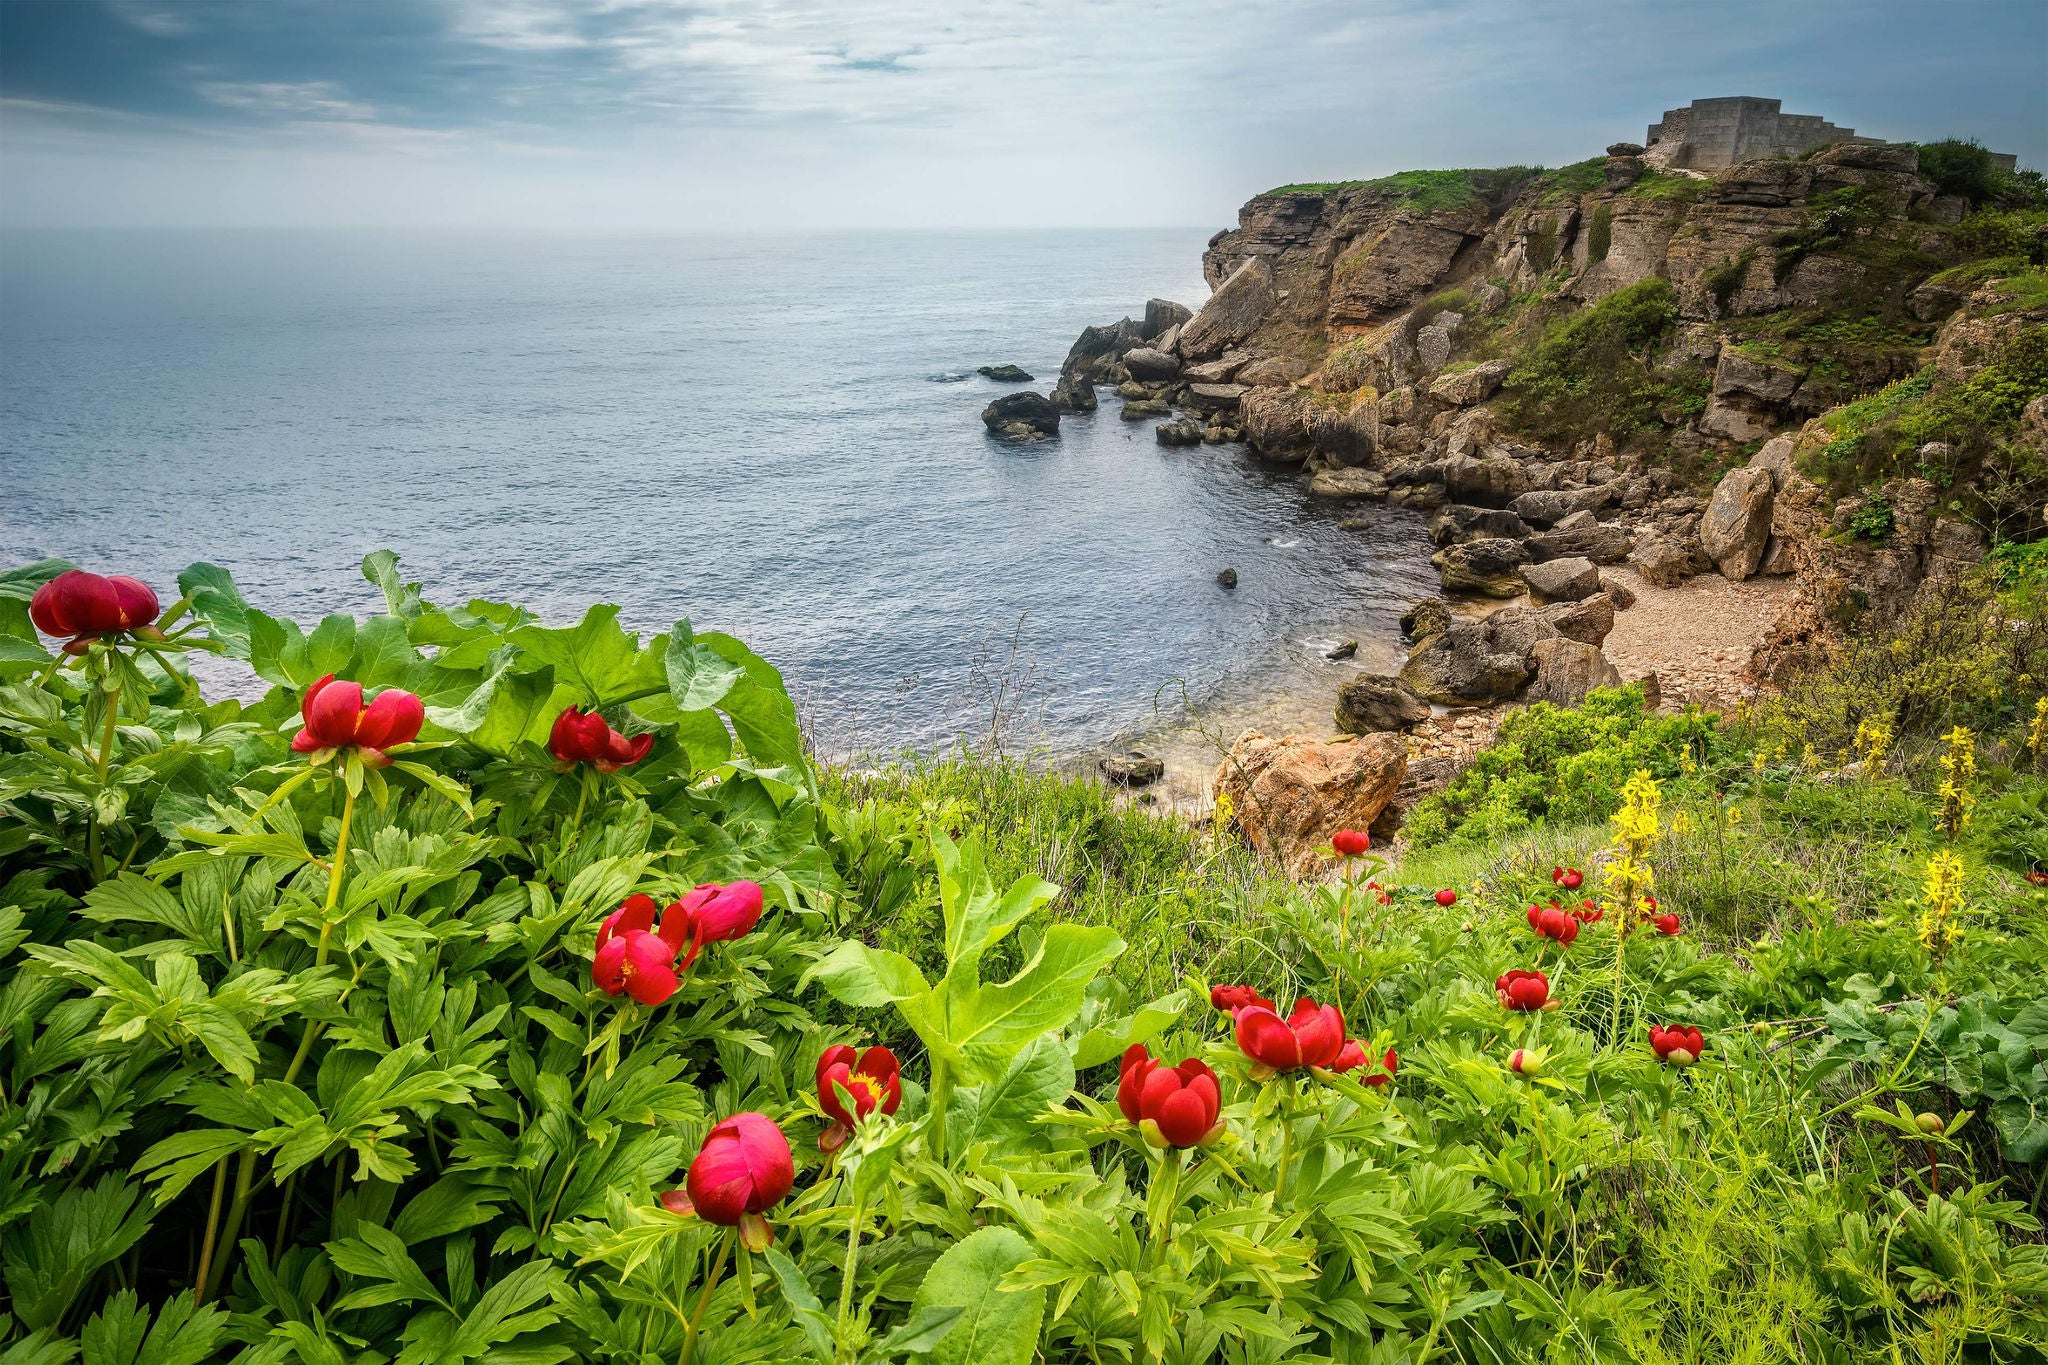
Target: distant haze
[[653, 115]]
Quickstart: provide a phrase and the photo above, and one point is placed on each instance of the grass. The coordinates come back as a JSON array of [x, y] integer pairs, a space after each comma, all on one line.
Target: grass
[[1428, 191]]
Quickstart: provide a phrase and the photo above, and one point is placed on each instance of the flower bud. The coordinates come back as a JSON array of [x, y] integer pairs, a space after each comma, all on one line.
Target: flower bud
[[1929, 1124]]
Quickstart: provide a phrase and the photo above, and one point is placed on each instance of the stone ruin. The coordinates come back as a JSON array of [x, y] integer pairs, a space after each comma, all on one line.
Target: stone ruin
[[1709, 134]]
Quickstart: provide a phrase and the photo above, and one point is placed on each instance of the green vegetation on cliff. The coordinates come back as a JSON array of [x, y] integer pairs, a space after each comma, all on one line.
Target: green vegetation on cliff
[[1597, 369]]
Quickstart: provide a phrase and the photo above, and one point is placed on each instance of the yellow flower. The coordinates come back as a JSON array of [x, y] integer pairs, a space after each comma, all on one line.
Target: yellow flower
[[1809, 758], [1943, 899], [1873, 740], [1960, 765], [2037, 733]]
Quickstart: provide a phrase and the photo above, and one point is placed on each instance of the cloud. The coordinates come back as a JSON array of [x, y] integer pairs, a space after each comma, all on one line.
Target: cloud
[[659, 113]]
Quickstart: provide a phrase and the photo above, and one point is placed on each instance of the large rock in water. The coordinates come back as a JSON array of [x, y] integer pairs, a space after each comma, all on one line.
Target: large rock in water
[[1737, 522], [1489, 566], [1162, 315], [1239, 304], [1075, 393], [1566, 670], [1099, 349], [1372, 704], [1460, 522], [1287, 796], [1022, 416]]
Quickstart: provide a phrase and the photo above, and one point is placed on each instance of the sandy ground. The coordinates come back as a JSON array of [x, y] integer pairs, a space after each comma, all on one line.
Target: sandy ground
[[1696, 638]]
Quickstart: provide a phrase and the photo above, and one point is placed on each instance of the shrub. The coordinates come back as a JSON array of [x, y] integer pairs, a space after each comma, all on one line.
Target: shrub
[[1595, 370], [1556, 764], [1959, 166]]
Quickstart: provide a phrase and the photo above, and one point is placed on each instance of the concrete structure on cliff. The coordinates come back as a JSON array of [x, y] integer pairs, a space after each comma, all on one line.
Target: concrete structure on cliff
[[1720, 132], [1709, 134]]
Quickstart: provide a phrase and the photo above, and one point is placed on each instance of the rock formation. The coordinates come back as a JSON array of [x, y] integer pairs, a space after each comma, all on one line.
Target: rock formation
[[1287, 796]]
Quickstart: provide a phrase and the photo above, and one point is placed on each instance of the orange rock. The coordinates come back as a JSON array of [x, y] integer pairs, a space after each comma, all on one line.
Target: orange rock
[[1287, 796]]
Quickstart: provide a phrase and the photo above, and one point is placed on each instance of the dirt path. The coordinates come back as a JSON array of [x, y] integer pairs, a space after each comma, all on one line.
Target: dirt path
[[1696, 637]]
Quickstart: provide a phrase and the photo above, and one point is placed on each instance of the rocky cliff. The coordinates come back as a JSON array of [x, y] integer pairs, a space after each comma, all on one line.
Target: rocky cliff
[[1824, 365]]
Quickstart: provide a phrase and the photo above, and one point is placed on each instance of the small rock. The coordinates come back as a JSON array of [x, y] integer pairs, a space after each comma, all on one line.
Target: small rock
[[1133, 769], [1621, 594], [1185, 431], [1147, 363], [1138, 410], [1461, 522], [1589, 621], [1343, 651], [1348, 483], [1228, 578], [1005, 374], [1161, 316], [1430, 616]]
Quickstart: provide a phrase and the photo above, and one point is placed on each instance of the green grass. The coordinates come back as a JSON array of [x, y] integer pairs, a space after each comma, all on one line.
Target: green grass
[[1427, 191]]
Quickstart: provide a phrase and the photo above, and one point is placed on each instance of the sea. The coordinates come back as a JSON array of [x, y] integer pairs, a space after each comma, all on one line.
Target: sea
[[777, 435]]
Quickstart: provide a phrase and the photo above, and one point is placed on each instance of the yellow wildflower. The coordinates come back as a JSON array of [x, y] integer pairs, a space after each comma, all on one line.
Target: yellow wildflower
[[1873, 740], [1944, 898], [2037, 733], [1959, 766]]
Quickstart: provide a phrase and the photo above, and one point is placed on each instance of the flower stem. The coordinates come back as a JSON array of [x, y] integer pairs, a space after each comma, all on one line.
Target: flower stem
[[220, 1180], [690, 1328], [846, 1273], [106, 756], [937, 1098]]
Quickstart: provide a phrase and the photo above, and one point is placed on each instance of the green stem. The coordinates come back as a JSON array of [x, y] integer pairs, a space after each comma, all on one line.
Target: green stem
[[220, 1181], [245, 1175], [846, 1273], [1286, 1140], [106, 757], [690, 1328], [937, 1098]]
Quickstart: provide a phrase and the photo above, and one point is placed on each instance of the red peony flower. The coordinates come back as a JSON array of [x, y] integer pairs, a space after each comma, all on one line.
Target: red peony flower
[[1231, 999], [742, 1171], [1353, 1057], [1173, 1106], [86, 606], [1551, 922], [874, 1080], [712, 914], [337, 719], [1588, 913], [1312, 1036], [1666, 924], [1523, 990], [1447, 897], [1678, 1045], [584, 737], [631, 958], [2037, 878], [1350, 843]]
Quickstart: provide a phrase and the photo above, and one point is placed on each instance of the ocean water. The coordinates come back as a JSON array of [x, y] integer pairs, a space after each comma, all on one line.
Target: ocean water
[[767, 434]]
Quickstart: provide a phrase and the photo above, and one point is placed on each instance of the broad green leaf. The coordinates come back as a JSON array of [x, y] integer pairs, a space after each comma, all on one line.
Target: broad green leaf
[[597, 657], [983, 1026], [865, 977], [698, 676], [1002, 1111], [401, 599], [997, 1326], [976, 918], [219, 603], [1107, 1041]]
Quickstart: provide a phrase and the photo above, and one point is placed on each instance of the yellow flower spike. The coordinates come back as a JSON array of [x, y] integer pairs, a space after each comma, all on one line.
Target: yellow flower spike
[[1943, 899], [2037, 733], [1959, 765]]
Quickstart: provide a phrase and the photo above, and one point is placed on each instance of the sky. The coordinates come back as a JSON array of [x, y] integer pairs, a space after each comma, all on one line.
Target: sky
[[750, 115]]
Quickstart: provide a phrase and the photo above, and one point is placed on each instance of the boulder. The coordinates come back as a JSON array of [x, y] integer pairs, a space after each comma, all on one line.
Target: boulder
[[1022, 416], [1272, 370], [1348, 483], [1276, 423], [1075, 393], [1566, 670], [1433, 346], [1287, 796], [1460, 521], [1665, 561], [1219, 371], [1430, 616], [1005, 374], [1597, 541], [1145, 363], [1476, 662], [1098, 349], [1209, 397], [1133, 769], [1737, 522], [1139, 409], [1548, 506], [1161, 315], [1475, 385], [1621, 594], [1239, 304], [1489, 567], [1749, 396], [1494, 479], [1372, 704], [1562, 580], [1184, 431], [1589, 621], [1776, 459]]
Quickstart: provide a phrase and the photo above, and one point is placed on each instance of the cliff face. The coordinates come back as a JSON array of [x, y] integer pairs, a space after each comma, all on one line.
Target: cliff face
[[1349, 258]]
